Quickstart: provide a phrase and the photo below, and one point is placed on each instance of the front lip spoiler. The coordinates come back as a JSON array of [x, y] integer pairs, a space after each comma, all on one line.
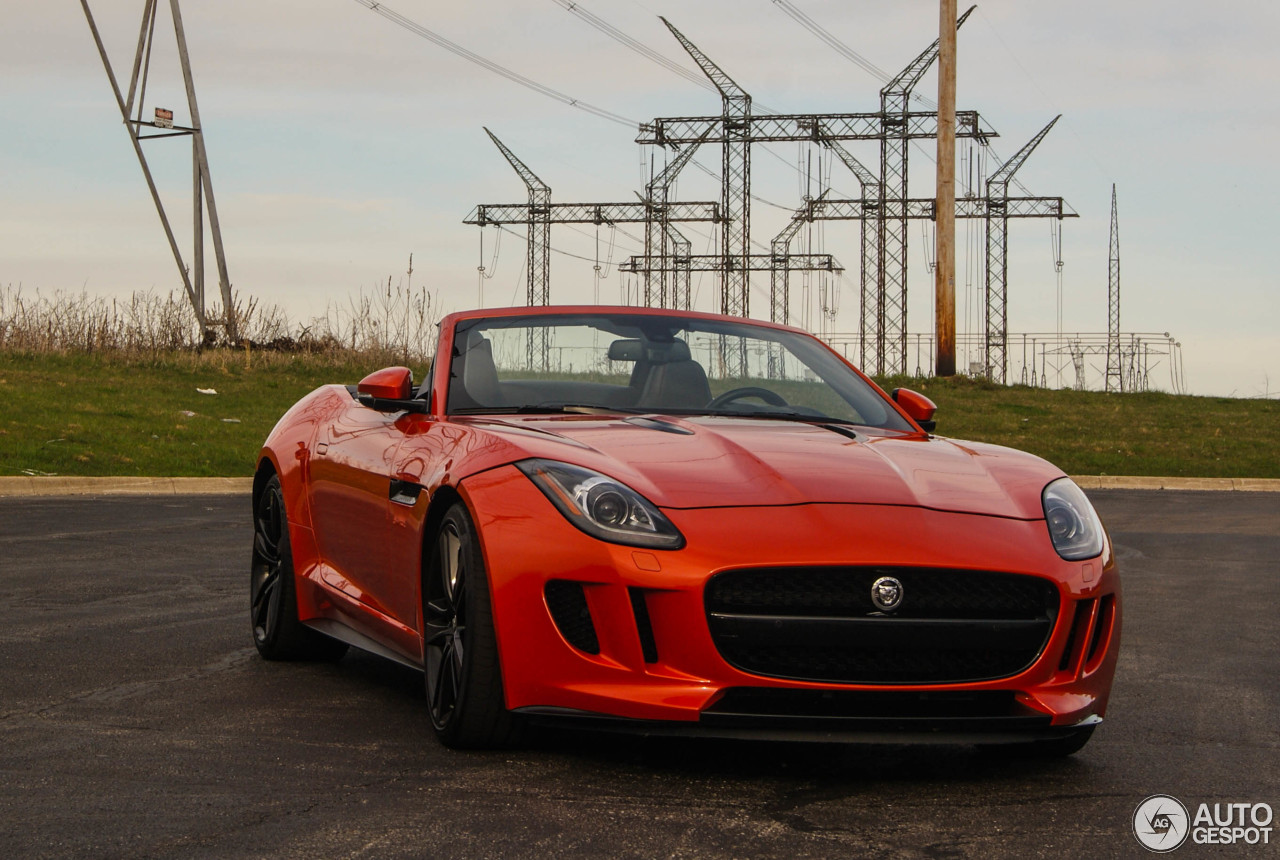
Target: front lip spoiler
[[861, 730]]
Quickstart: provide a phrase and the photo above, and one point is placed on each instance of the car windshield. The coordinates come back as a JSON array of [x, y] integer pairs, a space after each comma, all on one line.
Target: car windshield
[[655, 364]]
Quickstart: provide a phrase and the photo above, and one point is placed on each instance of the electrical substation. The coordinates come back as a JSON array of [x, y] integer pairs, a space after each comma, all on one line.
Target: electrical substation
[[989, 198]]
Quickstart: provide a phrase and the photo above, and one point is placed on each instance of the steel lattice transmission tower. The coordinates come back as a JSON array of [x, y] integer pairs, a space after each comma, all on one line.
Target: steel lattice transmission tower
[[871, 321], [891, 319], [658, 230], [1115, 361], [654, 210], [539, 220], [202, 185], [539, 258], [780, 263], [997, 273], [893, 127], [735, 193]]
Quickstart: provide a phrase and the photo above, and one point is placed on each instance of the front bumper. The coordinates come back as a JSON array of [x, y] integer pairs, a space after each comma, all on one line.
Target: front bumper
[[653, 658]]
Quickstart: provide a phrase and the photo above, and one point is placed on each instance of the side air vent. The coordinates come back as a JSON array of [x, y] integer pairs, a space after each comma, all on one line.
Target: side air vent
[[568, 605], [648, 645]]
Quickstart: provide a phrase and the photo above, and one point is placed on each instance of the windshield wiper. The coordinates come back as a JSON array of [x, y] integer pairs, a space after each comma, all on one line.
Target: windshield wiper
[[569, 408], [547, 408], [781, 415]]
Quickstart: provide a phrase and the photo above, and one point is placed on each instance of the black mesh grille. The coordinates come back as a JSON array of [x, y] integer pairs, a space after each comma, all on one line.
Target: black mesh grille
[[928, 592], [568, 604], [966, 711], [764, 701], [820, 624]]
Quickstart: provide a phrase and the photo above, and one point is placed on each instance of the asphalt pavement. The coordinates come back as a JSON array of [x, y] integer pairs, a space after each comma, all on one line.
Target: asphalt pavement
[[136, 720]]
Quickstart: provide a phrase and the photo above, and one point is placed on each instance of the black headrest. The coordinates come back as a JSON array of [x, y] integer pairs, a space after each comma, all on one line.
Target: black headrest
[[654, 352]]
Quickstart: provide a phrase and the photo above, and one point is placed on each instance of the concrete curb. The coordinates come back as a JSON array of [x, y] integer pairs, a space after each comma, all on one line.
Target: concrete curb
[[1119, 482], [123, 486]]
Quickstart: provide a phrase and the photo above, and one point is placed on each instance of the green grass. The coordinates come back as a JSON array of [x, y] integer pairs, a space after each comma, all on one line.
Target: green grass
[[1092, 433], [77, 414]]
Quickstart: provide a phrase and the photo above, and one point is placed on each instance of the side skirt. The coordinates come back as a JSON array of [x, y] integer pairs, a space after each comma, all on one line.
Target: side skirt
[[338, 630]]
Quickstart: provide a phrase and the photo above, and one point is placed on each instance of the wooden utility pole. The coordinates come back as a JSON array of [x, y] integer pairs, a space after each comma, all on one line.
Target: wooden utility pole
[[945, 211]]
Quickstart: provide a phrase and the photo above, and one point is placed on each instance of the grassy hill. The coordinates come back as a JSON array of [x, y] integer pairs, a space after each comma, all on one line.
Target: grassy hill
[[102, 414]]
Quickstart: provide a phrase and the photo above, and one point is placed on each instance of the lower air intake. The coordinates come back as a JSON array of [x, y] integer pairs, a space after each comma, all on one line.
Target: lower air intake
[[567, 602]]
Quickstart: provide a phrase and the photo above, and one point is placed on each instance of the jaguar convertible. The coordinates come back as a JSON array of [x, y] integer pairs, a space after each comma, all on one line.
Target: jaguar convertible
[[679, 523]]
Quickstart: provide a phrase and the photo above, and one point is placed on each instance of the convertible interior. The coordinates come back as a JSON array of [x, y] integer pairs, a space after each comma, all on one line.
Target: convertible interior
[[664, 375]]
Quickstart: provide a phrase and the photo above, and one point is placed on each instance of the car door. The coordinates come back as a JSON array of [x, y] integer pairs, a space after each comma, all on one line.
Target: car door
[[350, 484], [419, 465]]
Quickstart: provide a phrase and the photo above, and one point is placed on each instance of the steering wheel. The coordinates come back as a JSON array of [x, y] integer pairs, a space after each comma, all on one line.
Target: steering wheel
[[770, 397]]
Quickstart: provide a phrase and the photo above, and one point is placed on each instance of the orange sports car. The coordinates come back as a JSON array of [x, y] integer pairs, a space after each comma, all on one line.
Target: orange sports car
[[671, 522]]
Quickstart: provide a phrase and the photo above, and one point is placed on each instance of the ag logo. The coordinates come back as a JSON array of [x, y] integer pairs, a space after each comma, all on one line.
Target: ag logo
[[1161, 824]]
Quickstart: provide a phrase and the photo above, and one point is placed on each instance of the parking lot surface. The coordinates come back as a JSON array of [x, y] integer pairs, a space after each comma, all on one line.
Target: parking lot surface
[[137, 720]]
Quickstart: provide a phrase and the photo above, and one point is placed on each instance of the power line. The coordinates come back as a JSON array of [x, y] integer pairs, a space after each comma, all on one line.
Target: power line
[[633, 44], [435, 38], [645, 51], [505, 229], [884, 77], [840, 47], [472, 57]]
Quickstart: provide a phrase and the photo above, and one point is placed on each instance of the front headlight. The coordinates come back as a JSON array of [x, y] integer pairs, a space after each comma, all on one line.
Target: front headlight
[[602, 507], [1074, 526]]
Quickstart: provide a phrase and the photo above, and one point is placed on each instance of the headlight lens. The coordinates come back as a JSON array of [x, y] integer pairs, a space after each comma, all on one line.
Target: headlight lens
[[1074, 526], [602, 507]]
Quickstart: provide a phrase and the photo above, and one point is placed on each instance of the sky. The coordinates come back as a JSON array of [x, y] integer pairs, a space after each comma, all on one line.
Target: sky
[[341, 143]]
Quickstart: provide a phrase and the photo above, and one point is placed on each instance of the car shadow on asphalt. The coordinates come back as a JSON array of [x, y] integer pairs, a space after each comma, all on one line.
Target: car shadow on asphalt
[[726, 758], [748, 759]]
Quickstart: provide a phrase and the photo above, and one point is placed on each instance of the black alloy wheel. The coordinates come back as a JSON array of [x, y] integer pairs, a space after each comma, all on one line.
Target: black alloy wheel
[[273, 601], [463, 676]]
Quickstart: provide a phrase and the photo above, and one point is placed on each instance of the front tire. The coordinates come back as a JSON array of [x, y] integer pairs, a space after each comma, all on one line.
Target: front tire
[[273, 598], [463, 674]]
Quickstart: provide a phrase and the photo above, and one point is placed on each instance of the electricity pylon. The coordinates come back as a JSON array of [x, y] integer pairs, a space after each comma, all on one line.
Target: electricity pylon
[[202, 185], [997, 269], [1115, 362]]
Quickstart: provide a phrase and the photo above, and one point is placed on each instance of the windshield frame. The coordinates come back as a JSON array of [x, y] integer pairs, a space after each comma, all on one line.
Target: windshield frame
[[635, 328]]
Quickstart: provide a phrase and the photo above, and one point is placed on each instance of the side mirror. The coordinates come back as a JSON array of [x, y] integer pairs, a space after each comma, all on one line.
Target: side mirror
[[390, 390], [918, 407], [390, 383]]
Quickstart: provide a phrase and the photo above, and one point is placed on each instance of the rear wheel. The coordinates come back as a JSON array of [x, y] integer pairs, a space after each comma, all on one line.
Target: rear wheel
[[273, 599], [463, 675]]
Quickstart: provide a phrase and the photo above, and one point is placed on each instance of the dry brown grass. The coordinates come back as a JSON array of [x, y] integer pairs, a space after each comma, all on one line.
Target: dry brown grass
[[391, 321]]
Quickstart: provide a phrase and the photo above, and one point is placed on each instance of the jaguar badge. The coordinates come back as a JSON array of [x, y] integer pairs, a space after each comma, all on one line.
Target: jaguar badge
[[886, 593]]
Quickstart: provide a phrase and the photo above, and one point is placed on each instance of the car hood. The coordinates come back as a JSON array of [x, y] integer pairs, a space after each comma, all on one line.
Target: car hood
[[702, 462]]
